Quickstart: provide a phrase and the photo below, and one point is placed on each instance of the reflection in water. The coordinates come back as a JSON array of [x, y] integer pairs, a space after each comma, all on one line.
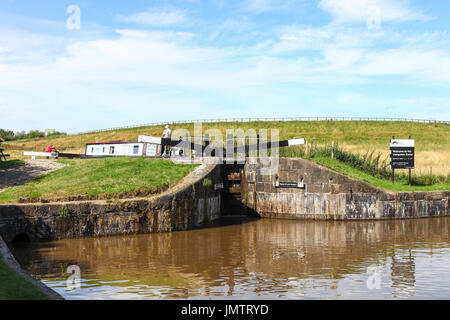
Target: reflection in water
[[263, 259], [402, 274]]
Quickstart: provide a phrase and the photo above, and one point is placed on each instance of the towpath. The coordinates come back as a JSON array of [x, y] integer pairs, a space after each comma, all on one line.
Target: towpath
[[23, 173]]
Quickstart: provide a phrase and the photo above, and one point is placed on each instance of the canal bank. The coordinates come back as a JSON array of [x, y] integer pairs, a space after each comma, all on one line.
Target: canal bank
[[19, 284], [192, 202], [297, 189]]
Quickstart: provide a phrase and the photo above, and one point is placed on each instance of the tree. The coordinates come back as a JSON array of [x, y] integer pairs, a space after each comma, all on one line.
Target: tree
[[6, 135]]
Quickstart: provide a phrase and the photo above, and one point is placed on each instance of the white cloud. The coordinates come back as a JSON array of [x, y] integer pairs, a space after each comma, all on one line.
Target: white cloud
[[157, 17], [144, 76], [426, 65], [260, 5], [354, 11], [303, 39], [138, 75], [353, 52]]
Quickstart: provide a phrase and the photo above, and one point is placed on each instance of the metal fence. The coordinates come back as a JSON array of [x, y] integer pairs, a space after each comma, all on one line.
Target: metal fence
[[264, 120]]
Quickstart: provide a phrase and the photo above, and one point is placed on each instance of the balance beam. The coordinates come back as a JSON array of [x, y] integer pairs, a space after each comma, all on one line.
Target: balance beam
[[33, 154]]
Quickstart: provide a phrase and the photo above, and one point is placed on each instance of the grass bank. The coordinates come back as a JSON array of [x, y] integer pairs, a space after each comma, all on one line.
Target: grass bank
[[401, 182], [15, 287], [113, 177], [432, 140], [371, 167]]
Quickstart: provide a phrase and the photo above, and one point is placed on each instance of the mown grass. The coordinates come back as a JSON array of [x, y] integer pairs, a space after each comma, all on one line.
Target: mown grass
[[9, 163], [107, 176], [15, 287]]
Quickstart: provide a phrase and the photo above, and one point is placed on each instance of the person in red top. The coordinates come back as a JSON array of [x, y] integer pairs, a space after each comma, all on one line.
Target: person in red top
[[50, 148]]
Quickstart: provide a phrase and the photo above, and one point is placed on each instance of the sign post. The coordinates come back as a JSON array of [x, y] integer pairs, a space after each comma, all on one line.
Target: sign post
[[410, 170], [402, 155]]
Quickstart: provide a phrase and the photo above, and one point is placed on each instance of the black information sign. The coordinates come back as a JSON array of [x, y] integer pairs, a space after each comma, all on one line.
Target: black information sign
[[402, 154]]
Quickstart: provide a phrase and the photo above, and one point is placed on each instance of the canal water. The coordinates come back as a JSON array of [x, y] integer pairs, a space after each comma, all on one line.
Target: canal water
[[253, 259]]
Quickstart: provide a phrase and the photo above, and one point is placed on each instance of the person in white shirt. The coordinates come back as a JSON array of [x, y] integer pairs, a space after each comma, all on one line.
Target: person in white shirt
[[167, 134]]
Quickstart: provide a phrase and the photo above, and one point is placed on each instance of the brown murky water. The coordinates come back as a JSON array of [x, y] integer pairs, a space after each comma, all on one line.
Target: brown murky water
[[262, 259]]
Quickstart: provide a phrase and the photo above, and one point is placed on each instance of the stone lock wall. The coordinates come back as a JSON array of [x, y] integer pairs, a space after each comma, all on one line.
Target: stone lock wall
[[192, 203], [189, 204], [332, 196]]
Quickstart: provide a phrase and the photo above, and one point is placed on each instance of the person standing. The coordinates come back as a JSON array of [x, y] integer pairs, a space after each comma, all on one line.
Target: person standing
[[167, 134]]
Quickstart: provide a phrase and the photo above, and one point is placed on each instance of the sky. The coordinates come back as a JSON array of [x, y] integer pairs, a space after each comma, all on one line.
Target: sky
[[83, 65]]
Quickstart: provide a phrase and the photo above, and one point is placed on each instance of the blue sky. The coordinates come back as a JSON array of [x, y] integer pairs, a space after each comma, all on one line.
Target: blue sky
[[134, 62]]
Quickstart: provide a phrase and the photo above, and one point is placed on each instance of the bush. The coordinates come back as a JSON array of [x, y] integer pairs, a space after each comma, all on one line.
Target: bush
[[9, 135]]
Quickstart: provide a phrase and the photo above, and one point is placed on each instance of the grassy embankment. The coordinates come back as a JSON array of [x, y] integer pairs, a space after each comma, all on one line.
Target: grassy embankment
[[432, 140], [358, 138], [15, 287], [401, 181], [109, 177], [370, 167]]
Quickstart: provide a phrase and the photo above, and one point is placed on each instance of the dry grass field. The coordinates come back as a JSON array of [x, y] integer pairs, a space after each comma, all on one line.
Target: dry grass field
[[432, 140], [427, 161]]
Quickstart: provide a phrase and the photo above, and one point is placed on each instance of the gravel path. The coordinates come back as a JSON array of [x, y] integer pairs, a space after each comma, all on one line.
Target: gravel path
[[21, 174]]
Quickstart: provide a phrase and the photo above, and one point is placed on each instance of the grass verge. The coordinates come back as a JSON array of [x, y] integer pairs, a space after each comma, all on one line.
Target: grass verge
[[15, 287], [117, 177], [400, 185]]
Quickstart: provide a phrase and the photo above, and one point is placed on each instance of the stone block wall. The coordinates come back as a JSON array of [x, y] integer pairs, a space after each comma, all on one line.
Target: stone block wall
[[189, 204], [329, 195]]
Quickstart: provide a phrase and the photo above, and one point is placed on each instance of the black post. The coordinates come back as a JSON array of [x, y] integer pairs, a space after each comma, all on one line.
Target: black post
[[257, 145], [410, 170], [393, 178]]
